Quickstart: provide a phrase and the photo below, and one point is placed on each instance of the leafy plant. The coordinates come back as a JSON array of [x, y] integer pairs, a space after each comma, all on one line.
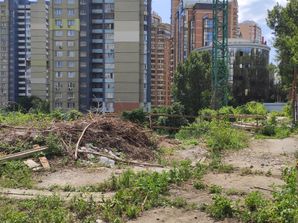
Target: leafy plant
[[136, 116], [221, 207]]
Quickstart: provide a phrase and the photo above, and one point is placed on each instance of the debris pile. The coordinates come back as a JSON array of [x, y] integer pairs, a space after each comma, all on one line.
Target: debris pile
[[103, 132], [108, 133]]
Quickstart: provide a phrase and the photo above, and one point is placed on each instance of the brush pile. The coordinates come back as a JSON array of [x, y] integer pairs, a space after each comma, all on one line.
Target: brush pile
[[108, 133], [104, 132]]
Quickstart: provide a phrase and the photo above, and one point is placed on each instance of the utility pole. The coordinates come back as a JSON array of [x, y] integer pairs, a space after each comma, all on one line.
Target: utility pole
[[220, 54]]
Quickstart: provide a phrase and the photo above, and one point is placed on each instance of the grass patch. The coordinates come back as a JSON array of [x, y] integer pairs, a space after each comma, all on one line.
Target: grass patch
[[283, 208], [15, 174]]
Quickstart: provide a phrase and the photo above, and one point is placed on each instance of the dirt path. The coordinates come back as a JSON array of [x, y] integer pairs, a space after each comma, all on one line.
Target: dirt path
[[266, 155], [29, 194]]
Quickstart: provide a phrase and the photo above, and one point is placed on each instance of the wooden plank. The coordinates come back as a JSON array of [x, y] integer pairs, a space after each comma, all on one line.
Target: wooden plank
[[24, 154]]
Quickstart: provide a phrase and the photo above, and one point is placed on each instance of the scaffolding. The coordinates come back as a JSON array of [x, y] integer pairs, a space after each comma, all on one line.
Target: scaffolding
[[220, 54]]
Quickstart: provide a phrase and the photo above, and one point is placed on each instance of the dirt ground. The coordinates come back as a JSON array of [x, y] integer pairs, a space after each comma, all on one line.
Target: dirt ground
[[266, 157]]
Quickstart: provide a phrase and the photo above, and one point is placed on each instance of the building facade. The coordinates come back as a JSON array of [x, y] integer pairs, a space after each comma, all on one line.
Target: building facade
[[77, 54], [24, 49], [249, 75], [250, 30], [192, 22], [4, 52], [99, 54], [161, 62]]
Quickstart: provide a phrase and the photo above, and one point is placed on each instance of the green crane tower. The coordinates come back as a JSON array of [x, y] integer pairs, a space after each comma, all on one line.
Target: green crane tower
[[220, 54]]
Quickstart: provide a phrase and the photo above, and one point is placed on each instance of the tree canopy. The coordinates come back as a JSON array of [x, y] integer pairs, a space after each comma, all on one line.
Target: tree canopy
[[192, 82], [284, 22]]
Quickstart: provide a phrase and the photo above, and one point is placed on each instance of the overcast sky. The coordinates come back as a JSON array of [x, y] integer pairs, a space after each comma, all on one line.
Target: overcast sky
[[248, 10]]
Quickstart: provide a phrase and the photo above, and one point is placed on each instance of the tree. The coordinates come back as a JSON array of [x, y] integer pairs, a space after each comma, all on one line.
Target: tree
[[192, 82], [283, 20]]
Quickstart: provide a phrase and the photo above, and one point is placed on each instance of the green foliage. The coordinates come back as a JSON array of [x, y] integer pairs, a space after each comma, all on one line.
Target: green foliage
[[136, 116], [214, 189], [221, 208], [192, 82], [252, 108], [141, 191], [194, 131], [282, 209], [15, 174], [39, 210], [283, 21], [54, 146], [175, 109], [222, 136], [84, 210]]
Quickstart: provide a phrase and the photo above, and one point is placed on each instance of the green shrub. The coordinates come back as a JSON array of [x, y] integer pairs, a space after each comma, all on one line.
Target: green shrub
[[136, 116], [193, 131], [207, 114], [221, 208], [54, 146], [222, 136]]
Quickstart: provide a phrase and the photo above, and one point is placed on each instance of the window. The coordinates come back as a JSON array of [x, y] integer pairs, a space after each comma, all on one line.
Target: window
[[59, 53], [59, 74], [71, 33], [70, 22], [58, 43], [70, 1], [71, 54], [70, 12], [58, 22], [71, 74], [71, 64], [59, 64], [58, 2], [58, 12], [59, 33], [70, 43]]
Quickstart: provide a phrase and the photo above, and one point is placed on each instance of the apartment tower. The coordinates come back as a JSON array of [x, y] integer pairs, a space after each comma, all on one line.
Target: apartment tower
[[100, 59], [24, 49], [161, 64]]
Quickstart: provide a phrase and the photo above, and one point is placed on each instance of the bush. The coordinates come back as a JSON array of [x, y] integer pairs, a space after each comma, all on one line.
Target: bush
[[221, 208], [222, 136], [252, 108], [176, 122], [137, 116], [193, 131]]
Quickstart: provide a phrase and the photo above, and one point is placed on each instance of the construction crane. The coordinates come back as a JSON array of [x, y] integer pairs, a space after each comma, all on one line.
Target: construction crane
[[220, 54]]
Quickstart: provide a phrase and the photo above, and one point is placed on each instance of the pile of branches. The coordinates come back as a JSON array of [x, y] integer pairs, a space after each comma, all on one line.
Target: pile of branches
[[106, 132]]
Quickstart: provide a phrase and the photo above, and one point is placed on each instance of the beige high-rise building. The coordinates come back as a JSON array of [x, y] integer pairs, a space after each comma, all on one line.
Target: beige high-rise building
[[64, 54], [250, 30], [161, 62], [4, 53], [24, 50], [99, 55]]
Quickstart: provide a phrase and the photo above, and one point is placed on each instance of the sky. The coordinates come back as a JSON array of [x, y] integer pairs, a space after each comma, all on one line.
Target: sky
[[248, 10]]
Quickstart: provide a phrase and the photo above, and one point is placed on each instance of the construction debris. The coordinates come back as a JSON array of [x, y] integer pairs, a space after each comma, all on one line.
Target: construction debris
[[23, 154], [45, 163], [104, 132], [32, 164]]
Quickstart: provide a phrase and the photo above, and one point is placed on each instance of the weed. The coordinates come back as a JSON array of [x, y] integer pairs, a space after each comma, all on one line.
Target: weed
[[15, 174], [221, 207], [199, 185], [83, 209], [235, 192], [179, 202], [215, 189]]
